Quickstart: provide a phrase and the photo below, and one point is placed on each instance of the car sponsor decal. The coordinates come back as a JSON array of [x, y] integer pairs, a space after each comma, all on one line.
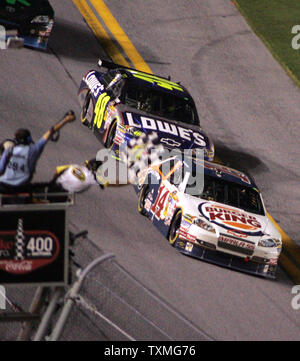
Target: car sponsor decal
[[24, 251], [236, 242], [185, 235], [189, 247], [152, 124], [230, 218], [237, 233], [266, 268], [93, 83], [170, 142]]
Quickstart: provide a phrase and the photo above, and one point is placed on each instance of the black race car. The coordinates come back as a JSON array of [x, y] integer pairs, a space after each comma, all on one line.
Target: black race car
[[121, 103], [29, 20]]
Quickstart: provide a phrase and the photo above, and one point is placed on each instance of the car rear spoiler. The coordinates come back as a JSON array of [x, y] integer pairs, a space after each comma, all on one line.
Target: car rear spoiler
[[111, 65]]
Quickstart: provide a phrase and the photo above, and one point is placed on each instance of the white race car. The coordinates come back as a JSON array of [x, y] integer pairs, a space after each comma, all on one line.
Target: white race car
[[221, 218]]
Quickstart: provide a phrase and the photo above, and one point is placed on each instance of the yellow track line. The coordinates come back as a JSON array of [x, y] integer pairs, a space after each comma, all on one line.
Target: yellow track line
[[111, 49], [120, 35]]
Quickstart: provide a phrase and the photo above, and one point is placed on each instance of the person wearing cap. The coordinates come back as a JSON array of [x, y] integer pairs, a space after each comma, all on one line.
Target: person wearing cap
[[18, 163]]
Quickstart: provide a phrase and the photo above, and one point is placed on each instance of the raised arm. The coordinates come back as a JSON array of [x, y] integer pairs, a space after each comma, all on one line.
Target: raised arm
[[68, 118]]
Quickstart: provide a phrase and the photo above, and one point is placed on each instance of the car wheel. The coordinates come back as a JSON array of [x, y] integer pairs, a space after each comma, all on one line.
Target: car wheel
[[141, 201], [174, 228], [111, 135], [85, 108]]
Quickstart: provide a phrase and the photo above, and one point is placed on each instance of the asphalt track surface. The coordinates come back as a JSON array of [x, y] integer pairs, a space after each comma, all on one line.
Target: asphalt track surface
[[246, 103]]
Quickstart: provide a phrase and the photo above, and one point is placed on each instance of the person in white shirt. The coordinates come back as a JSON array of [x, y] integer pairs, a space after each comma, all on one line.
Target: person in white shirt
[[76, 178]]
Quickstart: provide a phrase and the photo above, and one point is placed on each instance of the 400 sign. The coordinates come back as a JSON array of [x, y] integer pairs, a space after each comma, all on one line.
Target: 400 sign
[[33, 247]]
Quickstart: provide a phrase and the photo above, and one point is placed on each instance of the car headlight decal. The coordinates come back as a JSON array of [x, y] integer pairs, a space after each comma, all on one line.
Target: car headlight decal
[[204, 225], [269, 242]]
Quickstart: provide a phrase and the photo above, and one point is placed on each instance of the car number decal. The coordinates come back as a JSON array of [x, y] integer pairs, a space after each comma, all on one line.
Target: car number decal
[[160, 201], [100, 109]]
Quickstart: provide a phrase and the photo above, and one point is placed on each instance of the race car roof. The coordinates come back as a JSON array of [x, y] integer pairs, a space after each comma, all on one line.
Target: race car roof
[[226, 173], [157, 82]]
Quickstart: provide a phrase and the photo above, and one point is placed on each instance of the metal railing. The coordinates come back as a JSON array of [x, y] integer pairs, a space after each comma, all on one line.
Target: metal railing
[[104, 302]]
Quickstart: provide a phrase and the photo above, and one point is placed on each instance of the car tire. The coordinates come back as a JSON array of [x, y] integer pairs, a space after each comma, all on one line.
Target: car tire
[[111, 135], [174, 228], [141, 201], [84, 110]]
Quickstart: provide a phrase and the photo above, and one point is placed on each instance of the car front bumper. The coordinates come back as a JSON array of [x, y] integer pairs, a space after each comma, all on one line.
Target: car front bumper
[[226, 260]]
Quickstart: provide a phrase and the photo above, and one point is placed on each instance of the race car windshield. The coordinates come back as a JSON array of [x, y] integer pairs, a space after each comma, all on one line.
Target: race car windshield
[[231, 194], [160, 103]]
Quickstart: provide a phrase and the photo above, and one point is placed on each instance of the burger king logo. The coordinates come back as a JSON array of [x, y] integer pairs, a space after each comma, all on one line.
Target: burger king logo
[[230, 218]]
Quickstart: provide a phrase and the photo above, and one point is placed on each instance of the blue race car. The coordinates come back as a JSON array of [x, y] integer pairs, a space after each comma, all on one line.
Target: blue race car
[[123, 103], [29, 20]]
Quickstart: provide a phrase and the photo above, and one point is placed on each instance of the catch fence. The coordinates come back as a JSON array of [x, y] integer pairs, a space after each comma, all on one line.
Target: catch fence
[[104, 302]]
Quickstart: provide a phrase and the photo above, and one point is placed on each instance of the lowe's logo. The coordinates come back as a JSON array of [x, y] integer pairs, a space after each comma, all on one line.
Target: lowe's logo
[[165, 127]]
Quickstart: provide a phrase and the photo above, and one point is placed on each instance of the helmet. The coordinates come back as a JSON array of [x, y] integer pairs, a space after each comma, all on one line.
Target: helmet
[[23, 136]]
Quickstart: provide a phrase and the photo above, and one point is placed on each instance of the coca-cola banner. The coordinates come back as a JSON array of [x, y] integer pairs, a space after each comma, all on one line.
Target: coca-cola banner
[[33, 247]]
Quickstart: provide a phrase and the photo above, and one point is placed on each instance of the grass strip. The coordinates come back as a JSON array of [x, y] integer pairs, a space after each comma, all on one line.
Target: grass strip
[[273, 21]]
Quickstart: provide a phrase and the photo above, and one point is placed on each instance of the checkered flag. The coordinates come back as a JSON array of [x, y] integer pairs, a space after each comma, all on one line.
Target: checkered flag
[[139, 153], [20, 241]]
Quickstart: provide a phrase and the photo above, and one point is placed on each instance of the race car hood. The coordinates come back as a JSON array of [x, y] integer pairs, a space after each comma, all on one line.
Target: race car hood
[[227, 218], [171, 134]]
